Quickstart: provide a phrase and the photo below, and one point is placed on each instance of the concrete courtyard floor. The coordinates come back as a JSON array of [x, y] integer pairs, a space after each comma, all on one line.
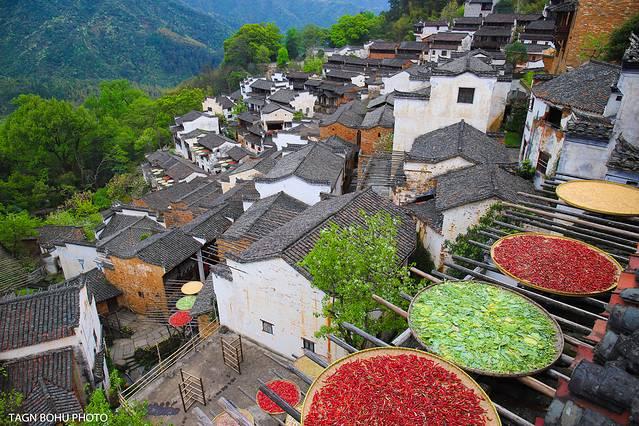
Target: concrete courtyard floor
[[219, 380]]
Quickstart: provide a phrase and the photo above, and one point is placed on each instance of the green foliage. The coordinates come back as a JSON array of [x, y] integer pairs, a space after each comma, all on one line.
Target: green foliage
[[461, 245], [516, 122], [516, 53], [512, 139], [126, 187], [314, 36], [504, 6], [592, 47], [282, 57], [313, 65], [355, 29], [350, 265], [526, 170], [452, 10], [133, 415], [384, 143], [527, 79], [10, 402], [14, 227], [239, 108], [619, 39], [298, 116], [252, 44], [294, 43]]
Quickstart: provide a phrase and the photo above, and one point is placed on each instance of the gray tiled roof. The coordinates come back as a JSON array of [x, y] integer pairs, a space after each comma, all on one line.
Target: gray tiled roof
[[314, 163], [590, 127], [45, 380], [225, 102], [262, 84], [294, 240], [427, 212], [458, 140], [98, 286], [503, 18], [379, 117], [413, 45], [541, 25], [160, 200], [167, 249], [493, 32], [586, 88], [274, 106], [264, 216], [124, 241], [213, 141], [39, 318], [208, 226], [283, 96], [350, 115], [237, 153], [464, 64], [118, 222], [625, 156], [249, 117], [447, 36], [383, 45], [340, 146], [478, 183], [48, 235], [205, 299], [381, 100], [469, 20], [189, 116], [192, 134]]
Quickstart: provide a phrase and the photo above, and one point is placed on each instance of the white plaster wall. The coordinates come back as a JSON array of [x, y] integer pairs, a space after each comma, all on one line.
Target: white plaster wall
[[457, 220], [359, 80], [434, 242], [583, 159], [305, 102], [628, 114], [498, 105], [275, 292], [416, 171], [295, 187], [212, 106], [88, 326], [245, 175], [70, 256], [210, 123], [282, 140], [192, 176], [409, 117], [278, 115], [402, 83]]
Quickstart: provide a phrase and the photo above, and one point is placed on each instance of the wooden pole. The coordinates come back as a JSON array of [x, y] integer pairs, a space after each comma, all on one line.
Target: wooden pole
[[538, 386], [374, 340], [290, 410], [315, 358], [399, 311], [342, 344], [233, 411], [425, 275], [514, 418]]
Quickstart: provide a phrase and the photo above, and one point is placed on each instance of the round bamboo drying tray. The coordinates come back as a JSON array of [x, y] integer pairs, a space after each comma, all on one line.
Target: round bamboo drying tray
[[600, 196], [558, 337], [492, 418], [223, 419], [280, 411], [530, 284]]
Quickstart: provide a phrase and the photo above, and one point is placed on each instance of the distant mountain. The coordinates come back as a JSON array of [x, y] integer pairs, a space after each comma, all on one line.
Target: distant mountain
[[154, 42], [286, 13]]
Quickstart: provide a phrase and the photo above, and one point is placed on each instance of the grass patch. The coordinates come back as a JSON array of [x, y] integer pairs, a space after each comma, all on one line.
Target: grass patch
[[512, 140]]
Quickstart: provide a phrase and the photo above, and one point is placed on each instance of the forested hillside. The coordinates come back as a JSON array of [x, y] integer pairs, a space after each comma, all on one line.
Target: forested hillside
[[286, 14], [62, 47]]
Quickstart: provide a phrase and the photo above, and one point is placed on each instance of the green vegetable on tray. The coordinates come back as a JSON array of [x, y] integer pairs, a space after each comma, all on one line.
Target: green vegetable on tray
[[483, 327]]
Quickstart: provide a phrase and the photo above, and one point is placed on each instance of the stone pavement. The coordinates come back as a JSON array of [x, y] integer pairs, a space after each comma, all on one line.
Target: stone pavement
[[145, 334]]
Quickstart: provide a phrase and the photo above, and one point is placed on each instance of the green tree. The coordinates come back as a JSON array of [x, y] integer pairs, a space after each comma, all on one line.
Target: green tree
[[355, 29], [239, 108], [293, 43], [592, 47], [620, 38], [452, 10], [516, 53], [313, 65], [504, 6], [314, 36], [10, 402], [133, 415], [15, 227], [282, 57], [252, 43], [350, 265]]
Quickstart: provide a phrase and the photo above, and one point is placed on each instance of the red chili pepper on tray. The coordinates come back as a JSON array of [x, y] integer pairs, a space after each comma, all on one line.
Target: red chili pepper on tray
[[288, 391], [556, 264], [397, 390]]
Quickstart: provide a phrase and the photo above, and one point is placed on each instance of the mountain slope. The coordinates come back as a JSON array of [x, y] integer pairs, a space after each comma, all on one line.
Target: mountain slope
[[157, 42], [286, 13]]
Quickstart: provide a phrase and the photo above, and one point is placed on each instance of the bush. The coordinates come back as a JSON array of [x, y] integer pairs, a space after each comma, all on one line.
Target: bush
[[526, 170]]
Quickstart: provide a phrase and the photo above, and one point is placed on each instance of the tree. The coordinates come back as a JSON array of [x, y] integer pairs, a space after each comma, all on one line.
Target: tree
[[282, 57], [252, 43], [15, 227], [350, 265], [10, 402], [355, 29], [452, 10], [294, 43], [313, 65], [620, 38], [314, 36], [133, 415], [239, 108], [516, 53], [504, 6]]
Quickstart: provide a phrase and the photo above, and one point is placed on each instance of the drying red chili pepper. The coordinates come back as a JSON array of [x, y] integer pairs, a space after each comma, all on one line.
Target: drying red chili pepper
[[288, 391], [556, 264], [401, 390]]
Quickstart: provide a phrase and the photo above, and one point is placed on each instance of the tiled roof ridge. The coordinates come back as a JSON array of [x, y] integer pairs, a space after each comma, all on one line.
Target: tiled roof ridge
[[45, 293], [121, 231]]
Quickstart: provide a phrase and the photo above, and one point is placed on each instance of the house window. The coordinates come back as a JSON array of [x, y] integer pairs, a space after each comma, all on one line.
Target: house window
[[542, 162], [267, 327], [141, 294], [95, 338], [444, 53], [554, 117], [619, 98], [532, 104], [308, 345], [486, 6], [465, 95]]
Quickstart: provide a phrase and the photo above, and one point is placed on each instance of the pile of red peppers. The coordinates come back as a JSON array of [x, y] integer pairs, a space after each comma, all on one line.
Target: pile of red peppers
[[288, 391]]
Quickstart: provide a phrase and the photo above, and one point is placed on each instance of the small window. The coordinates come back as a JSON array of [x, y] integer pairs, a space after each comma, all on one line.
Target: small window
[[308, 345], [532, 104], [444, 54], [554, 117], [141, 294], [267, 327], [465, 95], [486, 6], [95, 338], [619, 98]]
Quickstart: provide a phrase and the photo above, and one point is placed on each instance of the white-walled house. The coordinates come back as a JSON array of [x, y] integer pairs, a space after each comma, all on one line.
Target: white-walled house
[[76, 257], [423, 29], [305, 174], [300, 101], [50, 237], [461, 198], [465, 88], [51, 347], [272, 300], [220, 105], [196, 120], [475, 8], [297, 136], [409, 80], [276, 116]]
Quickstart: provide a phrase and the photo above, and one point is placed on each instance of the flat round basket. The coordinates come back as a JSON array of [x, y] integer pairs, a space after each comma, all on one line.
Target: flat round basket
[[557, 339], [492, 418], [600, 196], [556, 268], [223, 419], [278, 410]]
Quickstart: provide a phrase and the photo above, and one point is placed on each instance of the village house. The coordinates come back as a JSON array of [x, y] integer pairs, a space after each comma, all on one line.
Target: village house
[[382, 50], [578, 20], [587, 98], [539, 32], [299, 101], [210, 151], [408, 80], [492, 38], [465, 88], [51, 235], [259, 88], [479, 8], [158, 202], [271, 300], [297, 136], [275, 116], [51, 347], [297, 79], [251, 168], [458, 200], [304, 174], [331, 94], [467, 23], [423, 29], [75, 257], [413, 50], [163, 169], [191, 125], [442, 45], [501, 20], [220, 105], [345, 77]]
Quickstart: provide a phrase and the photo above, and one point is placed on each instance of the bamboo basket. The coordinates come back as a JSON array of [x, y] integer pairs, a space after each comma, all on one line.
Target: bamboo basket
[[600, 196], [558, 336], [530, 284], [280, 411], [492, 418]]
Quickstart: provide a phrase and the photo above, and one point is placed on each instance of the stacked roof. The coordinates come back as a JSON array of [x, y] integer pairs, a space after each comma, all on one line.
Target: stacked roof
[[50, 235]]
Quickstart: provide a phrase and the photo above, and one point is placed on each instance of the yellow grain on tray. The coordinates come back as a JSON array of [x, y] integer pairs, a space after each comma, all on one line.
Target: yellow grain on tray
[[308, 367], [290, 421], [223, 419], [601, 196]]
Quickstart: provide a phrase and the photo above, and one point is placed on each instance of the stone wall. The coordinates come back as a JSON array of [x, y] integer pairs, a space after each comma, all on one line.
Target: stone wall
[[370, 136], [142, 284], [346, 133]]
